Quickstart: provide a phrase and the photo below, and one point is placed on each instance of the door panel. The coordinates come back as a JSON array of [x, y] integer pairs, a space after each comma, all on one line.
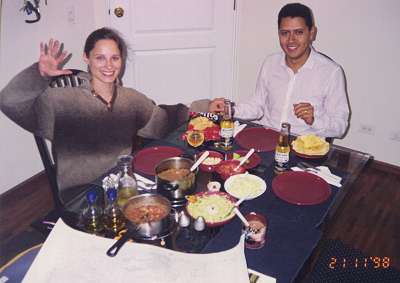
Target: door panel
[[180, 50], [190, 79]]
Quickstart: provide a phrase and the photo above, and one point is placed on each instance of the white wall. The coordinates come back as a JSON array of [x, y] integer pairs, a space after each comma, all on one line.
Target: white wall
[[19, 47], [362, 36]]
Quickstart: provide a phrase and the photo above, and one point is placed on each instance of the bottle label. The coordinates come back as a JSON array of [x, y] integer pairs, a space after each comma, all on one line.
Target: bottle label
[[282, 157], [226, 133]]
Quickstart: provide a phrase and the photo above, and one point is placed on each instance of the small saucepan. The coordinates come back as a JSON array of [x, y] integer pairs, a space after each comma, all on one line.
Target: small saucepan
[[174, 179], [147, 215]]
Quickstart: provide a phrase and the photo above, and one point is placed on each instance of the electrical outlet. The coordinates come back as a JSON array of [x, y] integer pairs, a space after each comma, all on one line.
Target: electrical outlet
[[395, 136], [366, 129]]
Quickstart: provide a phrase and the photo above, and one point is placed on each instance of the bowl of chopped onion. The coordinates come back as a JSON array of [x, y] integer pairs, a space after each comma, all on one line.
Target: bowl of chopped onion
[[210, 163]]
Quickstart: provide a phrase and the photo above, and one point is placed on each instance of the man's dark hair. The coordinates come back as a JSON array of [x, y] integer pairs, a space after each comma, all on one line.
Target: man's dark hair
[[296, 10]]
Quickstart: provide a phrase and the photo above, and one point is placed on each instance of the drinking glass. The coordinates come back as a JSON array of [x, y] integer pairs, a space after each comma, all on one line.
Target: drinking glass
[[195, 138]]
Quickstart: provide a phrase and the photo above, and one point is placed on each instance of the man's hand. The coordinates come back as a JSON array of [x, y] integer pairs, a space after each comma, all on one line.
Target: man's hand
[[217, 105], [51, 58], [305, 111]]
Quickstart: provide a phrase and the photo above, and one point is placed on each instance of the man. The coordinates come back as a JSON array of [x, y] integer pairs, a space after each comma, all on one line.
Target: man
[[299, 85]]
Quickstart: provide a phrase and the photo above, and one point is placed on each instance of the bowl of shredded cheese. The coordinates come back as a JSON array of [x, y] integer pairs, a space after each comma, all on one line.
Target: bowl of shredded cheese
[[247, 186]]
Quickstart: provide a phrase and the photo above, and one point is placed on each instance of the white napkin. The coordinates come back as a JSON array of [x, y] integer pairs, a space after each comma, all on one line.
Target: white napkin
[[238, 128], [112, 180], [325, 174], [144, 181]]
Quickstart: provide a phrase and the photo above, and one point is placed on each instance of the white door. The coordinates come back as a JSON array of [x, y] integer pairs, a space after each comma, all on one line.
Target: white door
[[181, 50]]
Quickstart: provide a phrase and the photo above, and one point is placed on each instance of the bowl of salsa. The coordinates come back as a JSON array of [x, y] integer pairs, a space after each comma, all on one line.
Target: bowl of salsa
[[228, 168]]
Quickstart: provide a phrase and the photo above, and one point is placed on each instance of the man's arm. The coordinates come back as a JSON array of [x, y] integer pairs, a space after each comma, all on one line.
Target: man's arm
[[256, 106], [332, 119]]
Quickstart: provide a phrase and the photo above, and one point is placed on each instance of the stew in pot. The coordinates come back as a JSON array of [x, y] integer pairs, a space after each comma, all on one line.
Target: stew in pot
[[145, 213]]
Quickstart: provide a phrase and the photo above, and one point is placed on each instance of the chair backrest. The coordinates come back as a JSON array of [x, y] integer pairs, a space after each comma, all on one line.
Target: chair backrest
[[67, 80], [45, 154]]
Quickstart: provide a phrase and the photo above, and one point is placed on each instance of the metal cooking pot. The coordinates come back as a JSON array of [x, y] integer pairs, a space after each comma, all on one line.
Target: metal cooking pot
[[176, 189], [143, 230], [152, 228]]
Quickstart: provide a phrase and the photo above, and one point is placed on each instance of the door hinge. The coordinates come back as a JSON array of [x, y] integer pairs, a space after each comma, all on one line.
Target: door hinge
[[234, 5]]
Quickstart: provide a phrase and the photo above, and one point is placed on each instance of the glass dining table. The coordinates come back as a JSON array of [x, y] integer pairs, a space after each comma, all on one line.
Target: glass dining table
[[293, 231]]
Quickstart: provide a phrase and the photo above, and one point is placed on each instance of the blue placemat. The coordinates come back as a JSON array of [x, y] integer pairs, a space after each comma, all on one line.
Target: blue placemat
[[287, 247]]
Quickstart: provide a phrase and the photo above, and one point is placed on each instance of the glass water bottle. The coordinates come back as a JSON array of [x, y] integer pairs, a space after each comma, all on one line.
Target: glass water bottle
[[127, 185]]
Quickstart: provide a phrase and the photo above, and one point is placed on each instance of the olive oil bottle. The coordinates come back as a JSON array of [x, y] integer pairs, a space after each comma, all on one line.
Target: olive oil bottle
[[282, 150]]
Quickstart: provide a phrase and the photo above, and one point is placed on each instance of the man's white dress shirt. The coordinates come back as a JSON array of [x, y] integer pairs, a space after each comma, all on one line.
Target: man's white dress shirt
[[320, 82]]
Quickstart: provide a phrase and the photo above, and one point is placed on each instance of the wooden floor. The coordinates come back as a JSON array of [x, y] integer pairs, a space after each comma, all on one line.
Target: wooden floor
[[368, 219]]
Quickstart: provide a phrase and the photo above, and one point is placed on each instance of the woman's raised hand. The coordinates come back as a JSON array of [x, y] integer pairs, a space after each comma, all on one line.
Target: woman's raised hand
[[51, 59]]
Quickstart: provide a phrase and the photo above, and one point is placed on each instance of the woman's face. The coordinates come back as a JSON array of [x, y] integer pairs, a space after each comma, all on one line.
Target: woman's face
[[104, 61]]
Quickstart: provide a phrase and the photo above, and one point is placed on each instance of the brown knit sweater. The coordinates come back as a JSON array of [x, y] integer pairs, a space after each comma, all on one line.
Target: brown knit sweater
[[86, 137]]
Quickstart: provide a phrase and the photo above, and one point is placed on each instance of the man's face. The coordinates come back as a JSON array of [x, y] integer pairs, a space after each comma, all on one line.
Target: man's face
[[295, 39]]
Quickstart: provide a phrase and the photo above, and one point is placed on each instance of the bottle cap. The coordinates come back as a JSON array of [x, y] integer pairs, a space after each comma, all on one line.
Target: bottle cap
[[112, 194], [91, 197]]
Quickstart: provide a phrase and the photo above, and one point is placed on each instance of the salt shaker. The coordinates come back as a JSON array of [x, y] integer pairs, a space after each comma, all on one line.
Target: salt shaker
[[184, 220], [199, 224]]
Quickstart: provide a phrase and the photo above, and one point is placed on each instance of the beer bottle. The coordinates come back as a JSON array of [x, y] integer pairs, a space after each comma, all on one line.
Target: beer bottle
[[227, 126], [282, 149]]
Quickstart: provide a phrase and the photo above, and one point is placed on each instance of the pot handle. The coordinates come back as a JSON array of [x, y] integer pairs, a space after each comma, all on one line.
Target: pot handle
[[113, 250], [170, 187]]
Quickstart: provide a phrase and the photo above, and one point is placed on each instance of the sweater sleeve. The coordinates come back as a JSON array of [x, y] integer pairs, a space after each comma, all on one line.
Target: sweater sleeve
[[18, 98], [167, 118]]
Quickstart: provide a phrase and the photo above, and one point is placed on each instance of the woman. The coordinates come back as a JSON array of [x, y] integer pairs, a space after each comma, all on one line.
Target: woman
[[90, 125]]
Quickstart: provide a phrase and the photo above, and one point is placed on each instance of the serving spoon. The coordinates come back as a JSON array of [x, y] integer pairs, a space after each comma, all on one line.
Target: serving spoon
[[199, 161], [244, 159]]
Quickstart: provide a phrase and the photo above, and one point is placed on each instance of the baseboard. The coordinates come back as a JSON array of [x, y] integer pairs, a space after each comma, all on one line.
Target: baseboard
[[385, 167], [23, 204]]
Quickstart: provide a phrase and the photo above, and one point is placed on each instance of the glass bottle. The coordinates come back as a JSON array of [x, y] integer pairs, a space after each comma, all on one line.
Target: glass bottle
[[282, 149], [127, 185], [92, 214], [113, 218], [227, 126]]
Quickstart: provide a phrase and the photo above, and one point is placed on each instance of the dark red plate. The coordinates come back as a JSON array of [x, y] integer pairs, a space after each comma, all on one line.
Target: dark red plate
[[260, 139], [253, 161], [148, 158], [301, 188]]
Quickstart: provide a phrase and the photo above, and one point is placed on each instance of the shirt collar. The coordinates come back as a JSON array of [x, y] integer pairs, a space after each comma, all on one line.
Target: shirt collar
[[309, 64]]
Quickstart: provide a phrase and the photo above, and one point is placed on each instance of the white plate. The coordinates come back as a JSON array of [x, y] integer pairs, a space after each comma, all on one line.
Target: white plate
[[245, 185]]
